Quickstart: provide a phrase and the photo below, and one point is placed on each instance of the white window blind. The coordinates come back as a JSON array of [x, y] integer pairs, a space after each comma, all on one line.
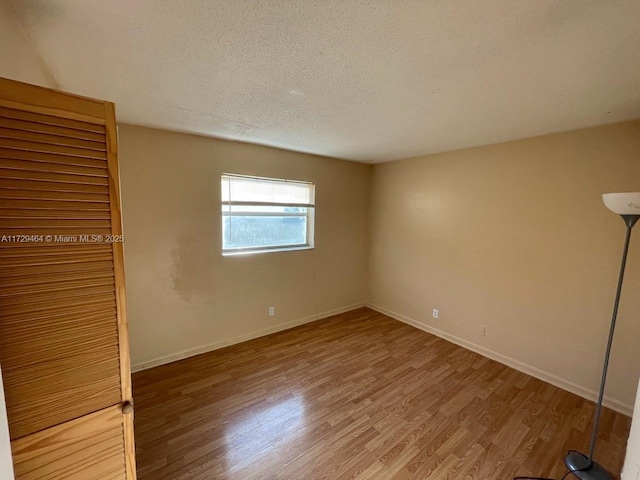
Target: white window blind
[[240, 189]]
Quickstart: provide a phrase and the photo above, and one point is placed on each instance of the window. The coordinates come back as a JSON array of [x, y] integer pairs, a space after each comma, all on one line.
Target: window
[[266, 214]]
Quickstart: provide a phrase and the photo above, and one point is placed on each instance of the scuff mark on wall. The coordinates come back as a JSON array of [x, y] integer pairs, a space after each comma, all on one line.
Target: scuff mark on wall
[[192, 272]]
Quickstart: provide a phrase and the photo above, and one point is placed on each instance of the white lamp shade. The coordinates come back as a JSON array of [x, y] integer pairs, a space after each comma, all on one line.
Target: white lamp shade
[[623, 203]]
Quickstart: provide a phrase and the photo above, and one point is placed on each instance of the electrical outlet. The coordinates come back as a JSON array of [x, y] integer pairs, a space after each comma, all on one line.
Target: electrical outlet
[[483, 330], [435, 313], [272, 311]]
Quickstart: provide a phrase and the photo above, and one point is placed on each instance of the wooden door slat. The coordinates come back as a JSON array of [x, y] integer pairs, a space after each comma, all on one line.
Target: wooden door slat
[[52, 159], [58, 316], [58, 287], [50, 177], [51, 186], [50, 168], [54, 277], [79, 267], [9, 133], [49, 204], [50, 343], [26, 250], [58, 235], [34, 223], [18, 213], [77, 311], [29, 146], [71, 294], [30, 261], [51, 120], [69, 301], [9, 224], [10, 193], [65, 323], [36, 127]]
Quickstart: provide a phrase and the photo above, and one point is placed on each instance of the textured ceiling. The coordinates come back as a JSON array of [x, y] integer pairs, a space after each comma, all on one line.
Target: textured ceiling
[[370, 80]]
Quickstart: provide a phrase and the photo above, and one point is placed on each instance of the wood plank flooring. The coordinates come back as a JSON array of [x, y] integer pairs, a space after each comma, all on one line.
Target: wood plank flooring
[[358, 395]]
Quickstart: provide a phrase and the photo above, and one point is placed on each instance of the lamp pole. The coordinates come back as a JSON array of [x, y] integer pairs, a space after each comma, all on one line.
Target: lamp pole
[[584, 467], [630, 220]]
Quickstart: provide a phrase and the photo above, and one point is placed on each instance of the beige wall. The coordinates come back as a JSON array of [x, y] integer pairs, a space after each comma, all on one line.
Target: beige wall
[[511, 236], [19, 59], [182, 293], [515, 237]]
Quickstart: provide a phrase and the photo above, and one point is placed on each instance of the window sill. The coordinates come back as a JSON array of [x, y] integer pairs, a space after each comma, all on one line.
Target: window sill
[[233, 253]]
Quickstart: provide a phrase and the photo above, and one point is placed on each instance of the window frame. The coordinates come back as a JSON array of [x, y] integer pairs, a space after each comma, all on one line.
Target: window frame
[[310, 216]]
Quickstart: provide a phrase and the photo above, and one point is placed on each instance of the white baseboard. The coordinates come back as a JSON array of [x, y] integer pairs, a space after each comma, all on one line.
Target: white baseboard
[[565, 384], [190, 352]]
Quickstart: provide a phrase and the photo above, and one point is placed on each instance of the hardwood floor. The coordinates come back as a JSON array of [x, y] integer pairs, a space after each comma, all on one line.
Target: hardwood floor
[[358, 395]]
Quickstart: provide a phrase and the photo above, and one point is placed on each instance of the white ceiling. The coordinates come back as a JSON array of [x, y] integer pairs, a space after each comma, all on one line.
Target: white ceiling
[[371, 81]]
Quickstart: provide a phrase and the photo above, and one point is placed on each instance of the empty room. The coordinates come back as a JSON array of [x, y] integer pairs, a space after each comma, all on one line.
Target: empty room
[[319, 240]]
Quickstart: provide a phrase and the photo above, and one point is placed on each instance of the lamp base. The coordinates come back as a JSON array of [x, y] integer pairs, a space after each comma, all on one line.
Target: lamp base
[[583, 468]]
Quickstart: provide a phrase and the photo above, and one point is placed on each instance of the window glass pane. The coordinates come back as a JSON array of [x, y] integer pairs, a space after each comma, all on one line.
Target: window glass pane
[[240, 231]]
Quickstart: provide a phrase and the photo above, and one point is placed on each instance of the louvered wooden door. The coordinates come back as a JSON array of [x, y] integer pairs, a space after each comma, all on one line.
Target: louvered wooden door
[[64, 346]]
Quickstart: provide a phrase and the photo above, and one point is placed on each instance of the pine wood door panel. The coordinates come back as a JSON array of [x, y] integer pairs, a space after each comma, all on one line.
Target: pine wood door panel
[[56, 105], [89, 448], [32, 412], [64, 345]]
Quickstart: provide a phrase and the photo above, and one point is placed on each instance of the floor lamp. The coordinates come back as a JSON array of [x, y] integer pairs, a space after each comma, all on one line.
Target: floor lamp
[[627, 205]]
